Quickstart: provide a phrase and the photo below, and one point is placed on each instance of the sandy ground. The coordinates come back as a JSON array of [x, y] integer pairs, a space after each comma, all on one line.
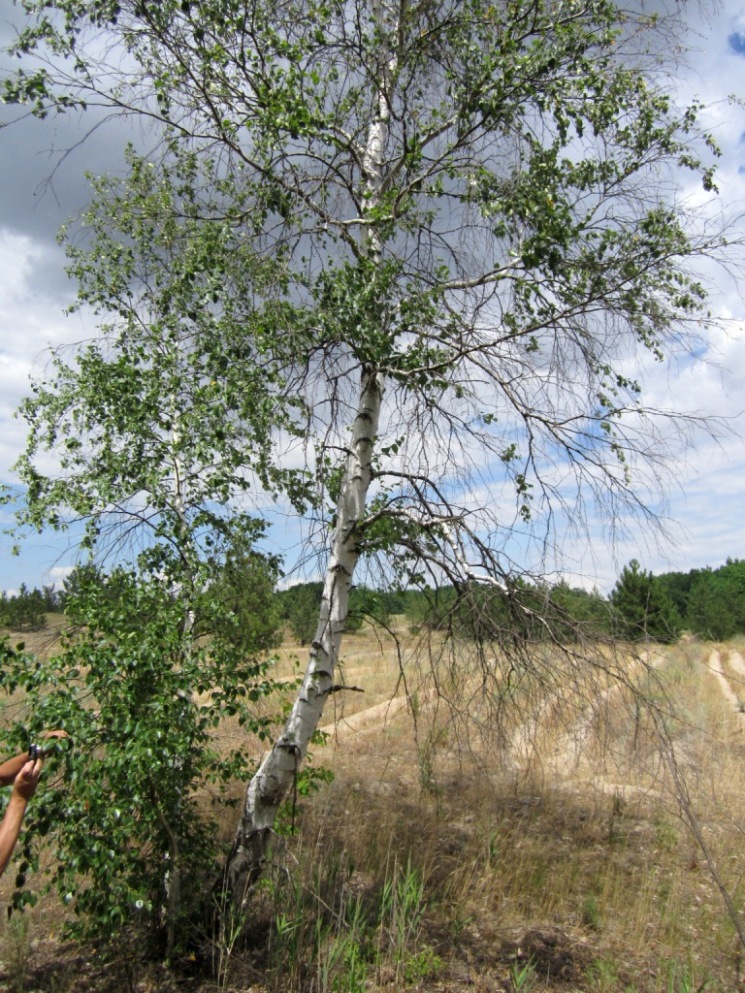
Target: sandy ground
[[732, 684]]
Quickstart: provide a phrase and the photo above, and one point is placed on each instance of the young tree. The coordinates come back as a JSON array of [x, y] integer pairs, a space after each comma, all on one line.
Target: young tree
[[587, 612], [176, 638], [246, 589], [23, 611], [134, 820], [642, 607], [469, 209], [300, 604], [678, 586]]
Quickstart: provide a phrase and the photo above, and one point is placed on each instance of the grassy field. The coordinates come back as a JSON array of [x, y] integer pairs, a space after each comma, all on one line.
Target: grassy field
[[546, 848]]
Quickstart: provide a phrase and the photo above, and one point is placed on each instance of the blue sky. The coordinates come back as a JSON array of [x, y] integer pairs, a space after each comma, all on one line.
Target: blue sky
[[704, 506]]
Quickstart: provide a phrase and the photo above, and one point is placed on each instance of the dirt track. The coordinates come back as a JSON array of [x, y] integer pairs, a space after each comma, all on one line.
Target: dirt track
[[727, 680], [559, 755]]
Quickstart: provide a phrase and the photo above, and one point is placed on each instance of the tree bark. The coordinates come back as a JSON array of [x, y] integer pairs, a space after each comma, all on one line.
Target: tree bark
[[277, 772]]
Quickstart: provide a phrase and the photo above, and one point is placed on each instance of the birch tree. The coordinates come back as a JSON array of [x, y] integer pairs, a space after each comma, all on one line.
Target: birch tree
[[474, 209]]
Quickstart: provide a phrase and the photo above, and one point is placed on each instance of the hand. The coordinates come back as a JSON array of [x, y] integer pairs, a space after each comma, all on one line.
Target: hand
[[50, 739], [57, 733], [27, 779]]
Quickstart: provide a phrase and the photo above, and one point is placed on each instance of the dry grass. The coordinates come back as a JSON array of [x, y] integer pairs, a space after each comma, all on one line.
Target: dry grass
[[572, 857], [551, 856]]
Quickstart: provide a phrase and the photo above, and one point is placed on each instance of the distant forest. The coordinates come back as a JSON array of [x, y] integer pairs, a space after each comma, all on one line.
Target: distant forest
[[709, 603]]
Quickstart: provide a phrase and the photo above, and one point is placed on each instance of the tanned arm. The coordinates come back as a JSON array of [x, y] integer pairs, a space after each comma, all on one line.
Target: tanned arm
[[24, 788], [10, 768]]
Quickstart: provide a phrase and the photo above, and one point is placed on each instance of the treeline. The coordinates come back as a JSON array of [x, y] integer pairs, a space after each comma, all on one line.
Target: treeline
[[707, 602], [476, 612], [299, 604], [27, 610]]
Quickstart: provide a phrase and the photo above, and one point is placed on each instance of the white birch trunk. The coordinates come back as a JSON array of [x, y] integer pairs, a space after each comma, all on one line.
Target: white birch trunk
[[276, 775]]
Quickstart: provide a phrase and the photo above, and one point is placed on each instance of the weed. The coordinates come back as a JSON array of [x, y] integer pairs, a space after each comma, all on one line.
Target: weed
[[326, 933], [493, 849], [230, 928], [427, 778], [666, 836], [591, 912], [523, 978], [604, 974], [63, 979], [342, 966], [287, 944], [680, 980], [459, 921], [618, 810], [17, 946], [422, 965], [401, 909]]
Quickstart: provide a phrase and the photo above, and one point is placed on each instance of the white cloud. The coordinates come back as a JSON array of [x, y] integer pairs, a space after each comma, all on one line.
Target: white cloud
[[707, 492], [31, 321], [57, 575]]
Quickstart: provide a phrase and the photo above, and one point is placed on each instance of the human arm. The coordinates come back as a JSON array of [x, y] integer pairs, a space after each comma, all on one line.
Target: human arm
[[24, 788], [11, 767]]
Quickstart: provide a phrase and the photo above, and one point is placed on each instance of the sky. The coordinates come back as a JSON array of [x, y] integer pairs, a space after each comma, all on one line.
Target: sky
[[704, 509]]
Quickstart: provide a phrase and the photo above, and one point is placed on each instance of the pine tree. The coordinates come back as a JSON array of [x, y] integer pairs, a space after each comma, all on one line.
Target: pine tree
[[643, 610]]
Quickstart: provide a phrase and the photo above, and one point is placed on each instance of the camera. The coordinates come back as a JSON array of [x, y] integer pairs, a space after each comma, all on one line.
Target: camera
[[35, 752]]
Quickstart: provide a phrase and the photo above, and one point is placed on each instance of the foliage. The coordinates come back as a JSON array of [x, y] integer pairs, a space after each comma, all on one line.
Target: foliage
[[579, 610], [710, 601], [642, 607], [173, 391], [367, 938], [449, 195], [429, 607], [172, 642], [245, 590], [369, 605], [134, 816], [678, 587], [480, 614], [390, 264], [27, 609], [299, 605], [716, 606]]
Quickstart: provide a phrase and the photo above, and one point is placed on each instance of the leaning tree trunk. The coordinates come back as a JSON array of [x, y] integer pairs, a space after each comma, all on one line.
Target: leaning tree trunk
[[276, 775]]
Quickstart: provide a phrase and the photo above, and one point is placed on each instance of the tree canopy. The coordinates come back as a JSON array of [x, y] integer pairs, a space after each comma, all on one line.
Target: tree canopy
[[711, 601], [643, 608], [390, 263]]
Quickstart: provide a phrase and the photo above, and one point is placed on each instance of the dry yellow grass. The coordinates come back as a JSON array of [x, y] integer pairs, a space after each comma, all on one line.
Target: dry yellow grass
[[553, 852], [581, 848]]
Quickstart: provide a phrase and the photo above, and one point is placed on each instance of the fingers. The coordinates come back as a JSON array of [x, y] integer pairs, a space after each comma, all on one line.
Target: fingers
[[56, 733], [28, 778], [32, 769]]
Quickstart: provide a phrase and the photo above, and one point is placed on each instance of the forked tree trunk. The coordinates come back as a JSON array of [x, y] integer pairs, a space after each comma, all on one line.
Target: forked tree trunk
[[276, 774]]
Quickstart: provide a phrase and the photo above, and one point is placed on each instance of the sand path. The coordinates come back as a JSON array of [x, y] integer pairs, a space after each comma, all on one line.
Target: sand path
[[717, 670], [562, 758]]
